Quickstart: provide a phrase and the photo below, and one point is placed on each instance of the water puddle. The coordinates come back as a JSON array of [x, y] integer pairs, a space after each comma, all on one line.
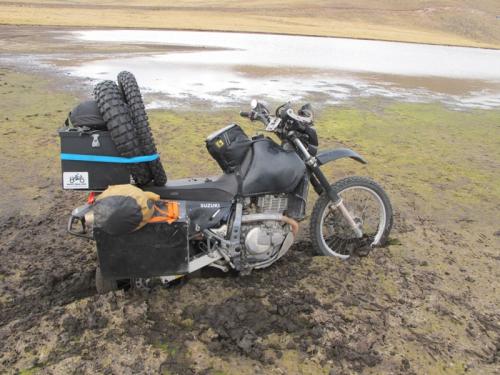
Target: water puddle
[[228, 68]]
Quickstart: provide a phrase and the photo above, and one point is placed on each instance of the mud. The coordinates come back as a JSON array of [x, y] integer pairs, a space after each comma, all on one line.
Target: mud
[[54, 41], [45, 267], [306, 314]]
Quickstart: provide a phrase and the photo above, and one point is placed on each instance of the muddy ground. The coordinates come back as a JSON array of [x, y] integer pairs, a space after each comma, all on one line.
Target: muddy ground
[[428, 303], [306, 314], [27, 40]]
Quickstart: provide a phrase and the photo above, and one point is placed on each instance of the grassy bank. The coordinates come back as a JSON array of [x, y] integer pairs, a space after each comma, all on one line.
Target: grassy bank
[[438, 22], [427, 303]]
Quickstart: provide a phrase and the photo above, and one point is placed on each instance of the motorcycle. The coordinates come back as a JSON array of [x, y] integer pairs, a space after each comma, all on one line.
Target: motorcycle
[[248, 218]]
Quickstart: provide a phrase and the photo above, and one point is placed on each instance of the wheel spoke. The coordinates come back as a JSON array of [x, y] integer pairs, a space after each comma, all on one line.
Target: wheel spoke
[[333, 243], [365, 203], [342, 248]]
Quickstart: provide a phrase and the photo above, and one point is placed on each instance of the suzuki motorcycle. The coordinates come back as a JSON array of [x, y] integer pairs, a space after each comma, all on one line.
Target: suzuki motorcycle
[[248, 218]]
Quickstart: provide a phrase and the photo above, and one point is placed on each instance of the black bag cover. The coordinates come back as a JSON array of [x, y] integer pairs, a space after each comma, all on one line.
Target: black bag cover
[[117, 215], [123, 209], [87, 114], [228, 147]]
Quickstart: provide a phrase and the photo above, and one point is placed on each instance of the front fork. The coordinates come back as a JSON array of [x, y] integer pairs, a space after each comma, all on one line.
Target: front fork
[[320, 184], [321, 180]]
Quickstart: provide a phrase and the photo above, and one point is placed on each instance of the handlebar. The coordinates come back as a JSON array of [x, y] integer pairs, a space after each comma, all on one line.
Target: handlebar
[[285, 116], [255, 115], [298, 118]]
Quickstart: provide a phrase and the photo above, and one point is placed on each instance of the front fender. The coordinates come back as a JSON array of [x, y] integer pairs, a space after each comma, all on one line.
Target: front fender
[[331, 155]]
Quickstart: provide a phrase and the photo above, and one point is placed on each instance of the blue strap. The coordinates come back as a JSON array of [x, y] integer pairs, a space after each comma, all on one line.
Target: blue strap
[[109, 159]]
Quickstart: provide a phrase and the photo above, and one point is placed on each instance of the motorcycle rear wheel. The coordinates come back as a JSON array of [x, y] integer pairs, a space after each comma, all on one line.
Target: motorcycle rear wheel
[[369, 206]]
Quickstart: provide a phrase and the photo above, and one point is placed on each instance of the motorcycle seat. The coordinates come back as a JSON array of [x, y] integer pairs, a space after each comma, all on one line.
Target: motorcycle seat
[[211, 189]]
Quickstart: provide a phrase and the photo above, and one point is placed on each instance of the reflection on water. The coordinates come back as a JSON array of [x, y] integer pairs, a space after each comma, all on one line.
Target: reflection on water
[[235, 67]]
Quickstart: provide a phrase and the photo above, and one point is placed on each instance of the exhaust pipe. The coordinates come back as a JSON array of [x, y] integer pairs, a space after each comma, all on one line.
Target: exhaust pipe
[[274, 217]]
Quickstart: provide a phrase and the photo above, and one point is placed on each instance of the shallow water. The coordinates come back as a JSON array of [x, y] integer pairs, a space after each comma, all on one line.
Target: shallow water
[[236, 66]]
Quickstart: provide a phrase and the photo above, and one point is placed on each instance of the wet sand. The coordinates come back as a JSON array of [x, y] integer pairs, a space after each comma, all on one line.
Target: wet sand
[[55, 40]]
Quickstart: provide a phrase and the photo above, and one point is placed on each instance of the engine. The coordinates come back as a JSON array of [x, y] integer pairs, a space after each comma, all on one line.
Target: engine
[[263, 232]]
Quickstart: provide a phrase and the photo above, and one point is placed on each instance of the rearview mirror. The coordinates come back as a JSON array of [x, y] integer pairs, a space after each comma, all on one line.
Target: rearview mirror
[[306, 111]]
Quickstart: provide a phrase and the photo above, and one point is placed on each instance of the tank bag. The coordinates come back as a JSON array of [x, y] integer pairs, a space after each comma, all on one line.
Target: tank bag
[[228, 147]]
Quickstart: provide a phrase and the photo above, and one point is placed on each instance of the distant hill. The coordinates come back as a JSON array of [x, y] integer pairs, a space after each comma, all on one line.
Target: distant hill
[[464, 22]]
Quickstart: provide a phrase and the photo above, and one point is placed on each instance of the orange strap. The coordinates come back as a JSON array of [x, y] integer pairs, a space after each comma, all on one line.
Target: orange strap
[[169, 215]]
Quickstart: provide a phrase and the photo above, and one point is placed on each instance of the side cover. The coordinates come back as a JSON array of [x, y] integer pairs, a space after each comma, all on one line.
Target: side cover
[[271, 169]]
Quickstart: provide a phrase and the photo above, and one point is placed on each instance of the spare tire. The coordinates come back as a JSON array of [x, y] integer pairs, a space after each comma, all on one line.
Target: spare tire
[[121, 127], [132, 94]]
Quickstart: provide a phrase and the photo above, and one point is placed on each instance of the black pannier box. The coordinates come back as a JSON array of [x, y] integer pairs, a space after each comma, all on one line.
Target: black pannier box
[[157, 249], [85, 157]]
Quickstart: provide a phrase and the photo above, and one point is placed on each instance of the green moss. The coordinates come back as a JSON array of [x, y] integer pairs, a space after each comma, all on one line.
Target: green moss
[[436, 153], [165, 347], [293, 363], [394, 242], [32, 370], [188, 323], [162, 346]]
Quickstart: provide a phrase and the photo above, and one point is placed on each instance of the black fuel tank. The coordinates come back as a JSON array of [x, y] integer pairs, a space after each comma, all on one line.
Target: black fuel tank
[[271, 169]]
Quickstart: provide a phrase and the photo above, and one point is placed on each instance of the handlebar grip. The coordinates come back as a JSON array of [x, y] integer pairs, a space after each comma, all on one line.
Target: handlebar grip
[[245, 114]]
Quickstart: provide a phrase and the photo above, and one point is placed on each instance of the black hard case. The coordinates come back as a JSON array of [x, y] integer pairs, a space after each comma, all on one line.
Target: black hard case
[[158, 249], [100, 175]]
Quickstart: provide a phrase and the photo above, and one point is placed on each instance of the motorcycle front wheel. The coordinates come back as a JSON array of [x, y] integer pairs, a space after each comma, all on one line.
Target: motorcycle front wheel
[[368, 205]]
